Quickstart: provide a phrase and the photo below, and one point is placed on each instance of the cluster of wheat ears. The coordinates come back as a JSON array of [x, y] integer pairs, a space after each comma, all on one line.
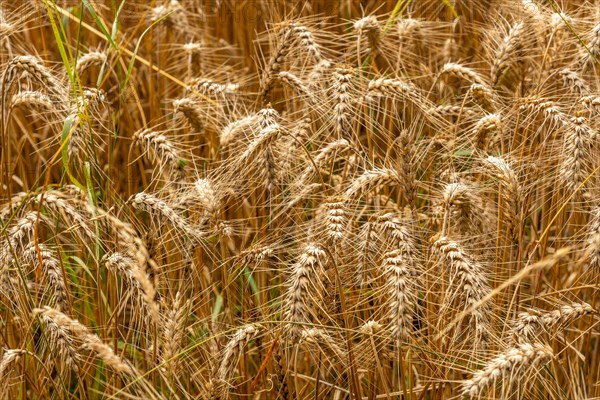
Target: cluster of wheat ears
[[300, 200]]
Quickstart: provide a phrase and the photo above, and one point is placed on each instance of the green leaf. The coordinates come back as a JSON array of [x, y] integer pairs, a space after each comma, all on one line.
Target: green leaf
[[87, 170], [251, 281], [88, 6], [449, 5], [217, 308], [64, 149], [115, 25], [397, 11], [83, 266]]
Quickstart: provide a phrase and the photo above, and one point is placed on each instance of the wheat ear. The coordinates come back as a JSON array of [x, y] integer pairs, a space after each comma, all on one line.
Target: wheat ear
[[400, 294], [509, 51], [90, 341], [529, 324], [467, 288], [153, 205], [233, 349], [136, 278], [304, 288], [511, 364], [173, 333]]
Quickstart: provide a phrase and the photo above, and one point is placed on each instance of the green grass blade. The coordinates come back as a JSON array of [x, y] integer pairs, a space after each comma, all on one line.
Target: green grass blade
[[137, 47], [66, 59]]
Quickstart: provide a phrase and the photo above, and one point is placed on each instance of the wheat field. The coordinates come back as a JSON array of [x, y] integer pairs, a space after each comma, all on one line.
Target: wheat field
[[320, 199]]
